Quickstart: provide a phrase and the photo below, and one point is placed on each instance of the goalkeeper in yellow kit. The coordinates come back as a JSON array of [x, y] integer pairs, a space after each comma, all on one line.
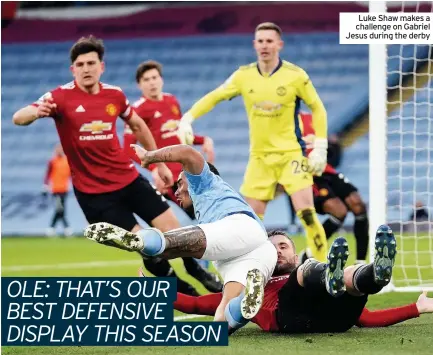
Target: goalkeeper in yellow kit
[[272, 90]]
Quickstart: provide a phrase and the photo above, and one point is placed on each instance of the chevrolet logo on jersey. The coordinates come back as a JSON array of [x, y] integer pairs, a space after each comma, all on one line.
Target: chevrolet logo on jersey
[[169, 129], [170, 125], [267, 106], [96, 127]]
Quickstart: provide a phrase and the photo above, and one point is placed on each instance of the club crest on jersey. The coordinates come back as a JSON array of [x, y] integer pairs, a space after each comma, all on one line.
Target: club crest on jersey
[[175, 110], [96, 127], [281, 91], [111, 110]]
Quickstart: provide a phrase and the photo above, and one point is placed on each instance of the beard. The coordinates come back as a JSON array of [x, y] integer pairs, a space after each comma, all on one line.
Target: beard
[[282, 269]]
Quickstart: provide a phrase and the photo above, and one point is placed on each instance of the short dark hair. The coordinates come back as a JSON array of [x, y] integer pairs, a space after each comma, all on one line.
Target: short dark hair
[[213, 169], [275, 232], [146, 66], [269, 26], [86, 45]]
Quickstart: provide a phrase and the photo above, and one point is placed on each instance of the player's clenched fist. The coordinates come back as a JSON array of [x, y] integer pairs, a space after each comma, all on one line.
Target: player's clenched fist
[[163, 171], [46, 108], [141, 154]]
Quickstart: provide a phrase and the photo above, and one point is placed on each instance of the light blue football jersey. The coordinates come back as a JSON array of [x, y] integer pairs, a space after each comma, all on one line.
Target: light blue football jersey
[[214, 199]]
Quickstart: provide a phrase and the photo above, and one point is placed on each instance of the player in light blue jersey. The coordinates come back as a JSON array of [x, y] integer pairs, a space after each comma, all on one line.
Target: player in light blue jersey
[[229, 233]]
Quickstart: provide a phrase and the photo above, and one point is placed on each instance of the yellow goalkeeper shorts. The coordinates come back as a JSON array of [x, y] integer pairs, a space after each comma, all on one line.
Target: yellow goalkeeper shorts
[[265, 171]]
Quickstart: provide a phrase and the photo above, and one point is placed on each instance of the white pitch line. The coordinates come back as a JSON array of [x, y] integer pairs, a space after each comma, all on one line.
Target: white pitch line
[[188, 316], [82, 265]]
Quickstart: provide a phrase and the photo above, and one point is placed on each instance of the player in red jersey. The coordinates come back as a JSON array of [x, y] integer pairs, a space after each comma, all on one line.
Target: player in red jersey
[[284, 299], [335, 196], [106, 184], [161, 112]]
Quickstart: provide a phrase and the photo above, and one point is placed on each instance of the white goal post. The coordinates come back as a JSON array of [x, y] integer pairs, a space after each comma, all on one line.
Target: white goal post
[[401, 153]]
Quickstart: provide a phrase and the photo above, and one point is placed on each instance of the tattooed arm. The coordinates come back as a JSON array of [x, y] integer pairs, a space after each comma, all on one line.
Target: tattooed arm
[[192, 161]]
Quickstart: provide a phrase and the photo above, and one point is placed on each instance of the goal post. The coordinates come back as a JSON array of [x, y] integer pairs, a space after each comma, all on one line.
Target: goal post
[[377, 131], [401, 153]]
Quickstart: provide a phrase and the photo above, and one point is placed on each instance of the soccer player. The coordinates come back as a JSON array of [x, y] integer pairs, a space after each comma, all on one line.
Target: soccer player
[[295, 300], [229, 232], [336, 196], [207, 304], [162, 113], [57, 182], [272, 90], [106, 184]]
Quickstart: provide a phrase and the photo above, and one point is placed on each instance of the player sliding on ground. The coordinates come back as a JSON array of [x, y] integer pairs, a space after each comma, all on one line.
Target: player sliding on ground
[[229, 232], [272, 90], [296, 298]]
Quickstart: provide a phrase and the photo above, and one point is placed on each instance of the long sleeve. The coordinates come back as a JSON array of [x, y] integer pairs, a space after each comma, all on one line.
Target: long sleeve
[[307, 92], [387, 317], [204, 305], [227, 91]]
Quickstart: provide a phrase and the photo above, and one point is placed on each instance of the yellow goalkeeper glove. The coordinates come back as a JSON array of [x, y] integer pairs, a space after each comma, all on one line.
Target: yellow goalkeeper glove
[[184, 130], [317, 159]]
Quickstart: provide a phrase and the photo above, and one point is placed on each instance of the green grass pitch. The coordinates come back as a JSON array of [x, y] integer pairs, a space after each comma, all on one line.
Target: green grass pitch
[[80, 257]]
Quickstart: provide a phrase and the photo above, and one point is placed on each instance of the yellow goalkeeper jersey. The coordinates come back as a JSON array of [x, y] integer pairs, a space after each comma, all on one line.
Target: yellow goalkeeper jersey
[[272, 103]]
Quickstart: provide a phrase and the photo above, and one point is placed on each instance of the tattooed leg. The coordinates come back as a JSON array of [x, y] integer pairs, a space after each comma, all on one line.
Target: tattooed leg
[[182, 242], [188, 241]]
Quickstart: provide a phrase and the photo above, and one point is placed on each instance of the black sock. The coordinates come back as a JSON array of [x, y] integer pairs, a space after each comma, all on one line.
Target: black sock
[[191, 266], [162, 268], [363, 280], [331, 225], [360, 230], [159, 267]]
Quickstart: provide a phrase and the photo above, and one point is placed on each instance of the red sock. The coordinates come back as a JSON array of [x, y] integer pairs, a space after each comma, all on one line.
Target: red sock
[[386, 317], [204, 305]]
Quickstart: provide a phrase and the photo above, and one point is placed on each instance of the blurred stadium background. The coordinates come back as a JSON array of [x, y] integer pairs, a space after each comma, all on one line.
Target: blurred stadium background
[[200, 45]]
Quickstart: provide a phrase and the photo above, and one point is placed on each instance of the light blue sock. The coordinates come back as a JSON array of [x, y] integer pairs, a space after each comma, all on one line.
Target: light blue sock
[[233, 313], [154, 242]]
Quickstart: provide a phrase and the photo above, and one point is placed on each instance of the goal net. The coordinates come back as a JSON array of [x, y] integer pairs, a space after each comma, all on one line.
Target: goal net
[[404, 130]]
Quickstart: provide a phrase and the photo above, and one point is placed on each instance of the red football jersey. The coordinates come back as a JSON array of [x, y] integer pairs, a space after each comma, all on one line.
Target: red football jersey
[[162, 118], [86, 125], [307, 129], [266, 319]]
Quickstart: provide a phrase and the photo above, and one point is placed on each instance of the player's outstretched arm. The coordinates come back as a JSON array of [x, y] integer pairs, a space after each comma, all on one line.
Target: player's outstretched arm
[[227, 91], [27, 115], [192, 161], [390, 316], [204, 305]]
